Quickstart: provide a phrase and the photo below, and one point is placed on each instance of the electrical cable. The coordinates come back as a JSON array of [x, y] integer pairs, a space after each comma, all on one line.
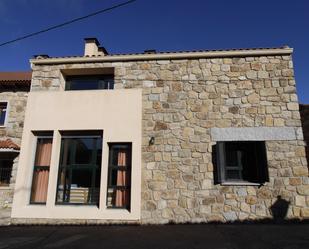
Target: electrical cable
[[67, 23]]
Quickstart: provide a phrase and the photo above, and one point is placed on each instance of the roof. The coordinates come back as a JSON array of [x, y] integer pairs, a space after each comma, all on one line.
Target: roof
[[8, 144], [15, 76], [284, 50], [15, 79]]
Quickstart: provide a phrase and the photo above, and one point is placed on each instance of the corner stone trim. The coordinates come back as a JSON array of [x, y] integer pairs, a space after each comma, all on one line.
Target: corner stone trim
[[255, 134]]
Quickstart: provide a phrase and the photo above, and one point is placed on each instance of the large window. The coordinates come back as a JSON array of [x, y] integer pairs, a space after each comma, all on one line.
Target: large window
[[86, 82], [3, 112], [80, 168], [243, 162], [41, 169], [119, 175]]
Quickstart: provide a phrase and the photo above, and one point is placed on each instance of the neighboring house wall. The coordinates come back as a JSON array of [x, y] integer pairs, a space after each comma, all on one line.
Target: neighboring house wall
[[13, 130], [304, 113], [182, 101]]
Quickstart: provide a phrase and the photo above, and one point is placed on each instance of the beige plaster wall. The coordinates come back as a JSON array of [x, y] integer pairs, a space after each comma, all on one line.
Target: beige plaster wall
[[118, 113]]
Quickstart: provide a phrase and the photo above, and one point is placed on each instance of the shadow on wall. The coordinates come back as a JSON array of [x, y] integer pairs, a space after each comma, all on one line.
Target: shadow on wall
[[279, 209]]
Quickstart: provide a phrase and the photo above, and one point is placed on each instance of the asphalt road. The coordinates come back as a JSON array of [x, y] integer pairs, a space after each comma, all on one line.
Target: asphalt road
[[244, 236]]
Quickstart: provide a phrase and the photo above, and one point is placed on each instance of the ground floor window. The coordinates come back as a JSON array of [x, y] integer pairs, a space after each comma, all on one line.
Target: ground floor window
[[119, 175], [41, 169], [242, 161], [6, 165], [80, 168]]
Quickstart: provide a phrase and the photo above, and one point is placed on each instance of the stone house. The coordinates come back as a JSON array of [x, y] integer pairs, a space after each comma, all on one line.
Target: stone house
[[14, 88], [162, 137]]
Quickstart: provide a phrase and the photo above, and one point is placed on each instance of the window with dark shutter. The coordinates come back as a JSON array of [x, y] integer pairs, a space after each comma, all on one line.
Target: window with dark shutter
[[243, 161], [6, 165]]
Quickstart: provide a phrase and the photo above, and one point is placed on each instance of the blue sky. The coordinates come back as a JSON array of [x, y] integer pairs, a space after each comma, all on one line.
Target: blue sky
[[164, 25]]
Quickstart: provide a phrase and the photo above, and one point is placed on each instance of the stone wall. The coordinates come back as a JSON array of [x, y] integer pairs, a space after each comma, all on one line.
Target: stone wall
[[304, 113], [13, 130], [182, 101]]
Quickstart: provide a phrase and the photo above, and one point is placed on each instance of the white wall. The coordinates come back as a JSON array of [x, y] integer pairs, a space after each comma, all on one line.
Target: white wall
[[117, 112]]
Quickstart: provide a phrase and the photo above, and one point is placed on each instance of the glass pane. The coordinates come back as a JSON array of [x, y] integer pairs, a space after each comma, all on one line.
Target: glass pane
[[66, 145], [113, 177], [43, 151], [231, 154], [120, 156], [39, 185], [5, 172], [63, 186], [84, 150], [3, 106], [119, 198], [106, 84], [80, 189], [83, 84], [233, 174], [90, 82], [119, 178]]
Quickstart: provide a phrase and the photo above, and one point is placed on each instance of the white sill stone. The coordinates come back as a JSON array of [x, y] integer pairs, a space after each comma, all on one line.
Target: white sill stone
[[241, 184], [5, 188]]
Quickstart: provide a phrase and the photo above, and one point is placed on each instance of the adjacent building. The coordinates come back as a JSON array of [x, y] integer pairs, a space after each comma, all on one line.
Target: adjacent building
[[304, 114], [14, 88], [162, 137]]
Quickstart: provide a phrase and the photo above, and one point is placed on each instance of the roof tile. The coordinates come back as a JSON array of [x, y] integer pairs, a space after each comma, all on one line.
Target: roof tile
[[8, 144]]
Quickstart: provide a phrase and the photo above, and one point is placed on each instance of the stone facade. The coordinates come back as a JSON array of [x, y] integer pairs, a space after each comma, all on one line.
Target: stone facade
[[182, 100], [13, 130]]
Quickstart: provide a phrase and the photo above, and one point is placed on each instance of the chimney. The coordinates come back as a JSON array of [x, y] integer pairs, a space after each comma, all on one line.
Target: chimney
[[92, 48]]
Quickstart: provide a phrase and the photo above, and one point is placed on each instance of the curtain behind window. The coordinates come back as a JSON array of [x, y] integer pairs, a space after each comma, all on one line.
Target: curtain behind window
[[41, 171], [122, 195]]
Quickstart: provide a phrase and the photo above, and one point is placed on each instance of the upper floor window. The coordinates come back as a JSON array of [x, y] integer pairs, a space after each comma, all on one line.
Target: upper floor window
[[3, 112], [89, 82]]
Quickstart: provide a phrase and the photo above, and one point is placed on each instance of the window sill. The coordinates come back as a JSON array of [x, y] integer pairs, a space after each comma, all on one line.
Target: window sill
[[76, 204], [241, 184], [5, 188]]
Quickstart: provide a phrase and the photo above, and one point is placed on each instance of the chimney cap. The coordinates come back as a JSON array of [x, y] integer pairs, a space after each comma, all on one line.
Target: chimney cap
[[92, 39], [41, 56], [150, 51], [102, 49]]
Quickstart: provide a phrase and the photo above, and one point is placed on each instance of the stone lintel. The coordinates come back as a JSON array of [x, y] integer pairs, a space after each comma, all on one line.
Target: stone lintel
[[254, 134]]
